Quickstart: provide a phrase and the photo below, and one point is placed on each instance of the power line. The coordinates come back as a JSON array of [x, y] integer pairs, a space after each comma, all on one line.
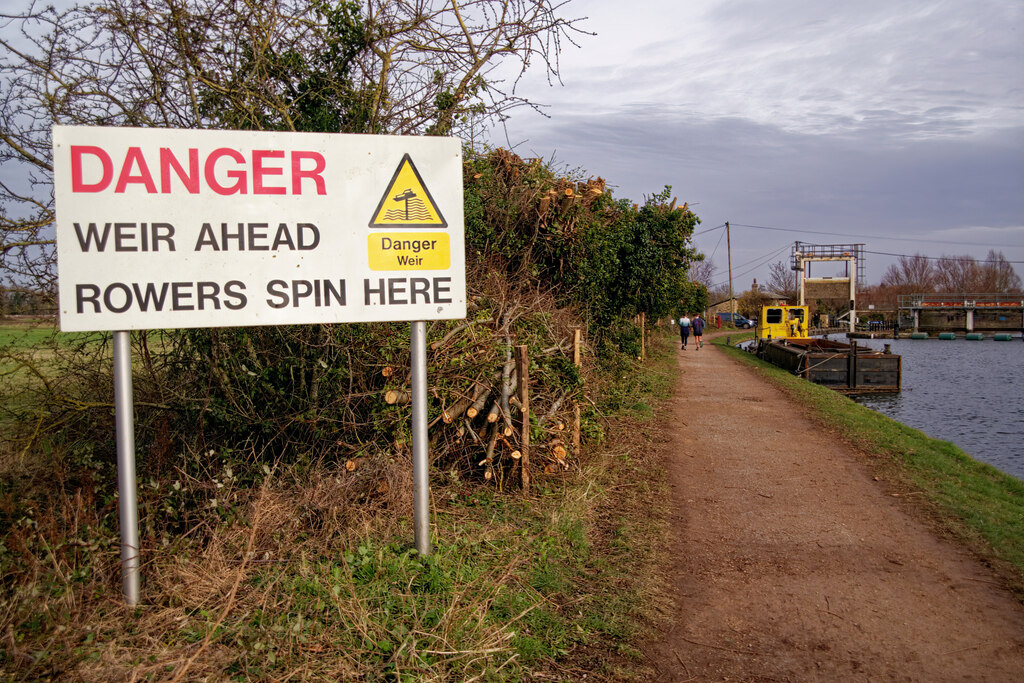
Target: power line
[[717, 227], [874, 237], [931, 258], [717, 244], [760, 261]]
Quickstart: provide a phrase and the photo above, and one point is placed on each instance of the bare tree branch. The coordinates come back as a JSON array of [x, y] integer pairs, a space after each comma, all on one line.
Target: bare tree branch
[[408, 67]]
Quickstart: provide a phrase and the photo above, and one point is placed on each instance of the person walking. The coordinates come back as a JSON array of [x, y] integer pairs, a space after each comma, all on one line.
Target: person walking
[[684, 329], [698, 331]]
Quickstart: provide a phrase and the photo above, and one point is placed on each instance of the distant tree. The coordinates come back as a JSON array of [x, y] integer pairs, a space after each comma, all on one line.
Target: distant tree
[[998, 275], [720, 292], [910, 274], [750, 303], [958, 274], [702, 272], [782, 280]]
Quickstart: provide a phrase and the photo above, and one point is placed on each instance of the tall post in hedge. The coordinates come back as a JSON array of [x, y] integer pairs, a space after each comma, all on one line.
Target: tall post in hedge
[[643, 336], [523, 372], [577, 361]]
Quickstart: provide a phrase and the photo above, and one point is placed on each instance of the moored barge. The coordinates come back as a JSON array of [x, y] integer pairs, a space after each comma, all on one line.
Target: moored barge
[[782, 340]]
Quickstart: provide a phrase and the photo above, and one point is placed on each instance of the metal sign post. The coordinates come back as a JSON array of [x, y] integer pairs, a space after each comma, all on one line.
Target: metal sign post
[[420, 461], [126, 484]]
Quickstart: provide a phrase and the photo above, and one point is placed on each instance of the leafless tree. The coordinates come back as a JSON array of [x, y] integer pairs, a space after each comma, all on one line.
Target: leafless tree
[[958, 274], [702, 272], [965, 274], [910, 274], [381, 66], [782, 280], [998, 275]]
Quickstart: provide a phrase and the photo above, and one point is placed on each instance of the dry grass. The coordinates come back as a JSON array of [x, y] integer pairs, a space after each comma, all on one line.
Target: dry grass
[[305, 571], [295, 587]]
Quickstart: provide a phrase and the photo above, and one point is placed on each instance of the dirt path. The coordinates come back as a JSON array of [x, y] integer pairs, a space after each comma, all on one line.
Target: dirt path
[[793, 564]]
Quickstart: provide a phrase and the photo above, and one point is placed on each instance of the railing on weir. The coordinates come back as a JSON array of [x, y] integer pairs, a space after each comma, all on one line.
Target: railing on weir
[[909, 301]]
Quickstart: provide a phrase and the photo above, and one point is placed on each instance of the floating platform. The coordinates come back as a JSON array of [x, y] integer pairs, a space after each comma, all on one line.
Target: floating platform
[[847, 368]]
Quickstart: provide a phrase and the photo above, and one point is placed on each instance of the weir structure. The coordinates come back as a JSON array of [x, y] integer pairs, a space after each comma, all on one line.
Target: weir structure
[[852, 254], [961, 312]]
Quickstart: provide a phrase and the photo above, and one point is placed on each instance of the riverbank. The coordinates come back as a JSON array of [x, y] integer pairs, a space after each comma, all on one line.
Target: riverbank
[[808, 546], [980, 505], [290, 581]]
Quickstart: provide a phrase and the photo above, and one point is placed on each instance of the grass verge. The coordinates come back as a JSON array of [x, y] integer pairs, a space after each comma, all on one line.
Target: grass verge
[[980, 505], [306, 571]]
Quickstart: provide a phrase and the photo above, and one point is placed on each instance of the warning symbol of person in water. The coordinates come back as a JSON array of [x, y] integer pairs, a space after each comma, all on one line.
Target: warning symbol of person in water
[[407, 202]]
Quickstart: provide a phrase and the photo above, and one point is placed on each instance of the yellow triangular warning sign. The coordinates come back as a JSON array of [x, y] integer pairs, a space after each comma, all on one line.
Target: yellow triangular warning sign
[[407, 202]]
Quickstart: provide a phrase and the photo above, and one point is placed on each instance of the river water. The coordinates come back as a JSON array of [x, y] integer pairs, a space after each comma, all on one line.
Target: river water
[[968, 392]]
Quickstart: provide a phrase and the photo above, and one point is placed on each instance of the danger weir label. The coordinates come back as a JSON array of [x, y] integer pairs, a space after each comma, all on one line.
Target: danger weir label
[[409, 251], [184, 228]]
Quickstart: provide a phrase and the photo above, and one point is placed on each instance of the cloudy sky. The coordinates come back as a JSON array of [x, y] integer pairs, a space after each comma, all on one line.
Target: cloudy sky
[[895, 123]]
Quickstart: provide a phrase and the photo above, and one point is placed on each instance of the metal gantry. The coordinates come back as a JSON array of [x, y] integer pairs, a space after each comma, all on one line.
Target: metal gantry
[[852, 254]]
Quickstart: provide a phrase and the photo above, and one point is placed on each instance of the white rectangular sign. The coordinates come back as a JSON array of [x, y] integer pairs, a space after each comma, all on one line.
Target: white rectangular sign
[[197, 228]]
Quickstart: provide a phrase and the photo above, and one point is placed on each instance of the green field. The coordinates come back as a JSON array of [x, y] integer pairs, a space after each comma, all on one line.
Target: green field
[[27, 334]]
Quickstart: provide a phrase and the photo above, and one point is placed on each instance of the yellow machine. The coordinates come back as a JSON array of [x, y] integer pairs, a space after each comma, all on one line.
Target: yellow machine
[[783, 322]]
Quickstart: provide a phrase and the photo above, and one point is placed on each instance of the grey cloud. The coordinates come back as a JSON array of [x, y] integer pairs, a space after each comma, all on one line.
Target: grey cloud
[[735, 169], [873, 118]]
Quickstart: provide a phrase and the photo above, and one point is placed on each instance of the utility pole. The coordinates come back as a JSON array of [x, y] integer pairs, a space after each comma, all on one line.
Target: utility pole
[[728, 245]]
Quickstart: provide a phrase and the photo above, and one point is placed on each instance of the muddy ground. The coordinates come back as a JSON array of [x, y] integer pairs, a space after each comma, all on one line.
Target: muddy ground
[[792, 563]]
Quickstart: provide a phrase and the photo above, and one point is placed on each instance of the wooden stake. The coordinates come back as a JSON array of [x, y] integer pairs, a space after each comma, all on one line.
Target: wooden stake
[[577, 360], [643, 335], [523, 373]]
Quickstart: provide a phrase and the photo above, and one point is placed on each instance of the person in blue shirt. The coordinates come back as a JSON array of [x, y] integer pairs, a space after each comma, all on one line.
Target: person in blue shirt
[[698, 331], [684, 329]]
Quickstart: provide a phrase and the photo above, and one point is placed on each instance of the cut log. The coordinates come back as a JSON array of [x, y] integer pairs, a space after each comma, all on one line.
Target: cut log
[[387, 371], [489, 452], [506, 379], [478, 404], [397, 397], [449, 415]]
